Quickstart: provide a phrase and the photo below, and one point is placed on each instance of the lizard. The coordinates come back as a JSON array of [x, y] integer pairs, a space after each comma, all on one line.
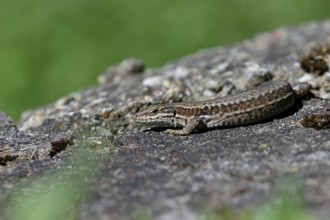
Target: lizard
[[264, 101]]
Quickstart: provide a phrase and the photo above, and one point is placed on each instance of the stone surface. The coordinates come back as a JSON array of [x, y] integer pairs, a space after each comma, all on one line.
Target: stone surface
[[175, 177]]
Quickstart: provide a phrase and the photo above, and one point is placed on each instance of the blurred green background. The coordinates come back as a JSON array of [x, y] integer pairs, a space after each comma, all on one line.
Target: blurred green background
[[50, 48]]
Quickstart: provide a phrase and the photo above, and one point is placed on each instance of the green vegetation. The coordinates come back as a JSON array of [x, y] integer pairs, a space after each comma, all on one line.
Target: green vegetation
[[60, 195], [287, 204], [57, 194], [50, 48]]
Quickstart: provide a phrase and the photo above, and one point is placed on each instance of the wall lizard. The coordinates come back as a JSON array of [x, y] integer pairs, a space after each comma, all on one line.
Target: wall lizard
[[250, 106]]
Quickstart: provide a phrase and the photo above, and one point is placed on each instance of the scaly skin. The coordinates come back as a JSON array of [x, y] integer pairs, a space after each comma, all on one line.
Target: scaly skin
[[250, 106]]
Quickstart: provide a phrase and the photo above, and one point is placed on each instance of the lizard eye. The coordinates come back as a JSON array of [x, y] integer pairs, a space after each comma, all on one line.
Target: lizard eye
[[154, 111]]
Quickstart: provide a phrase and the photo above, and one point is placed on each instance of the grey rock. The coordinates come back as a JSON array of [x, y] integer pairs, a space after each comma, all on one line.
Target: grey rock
[[174, 177]]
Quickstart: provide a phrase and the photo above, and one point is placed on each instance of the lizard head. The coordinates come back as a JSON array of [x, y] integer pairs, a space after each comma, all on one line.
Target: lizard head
[[162, 115]]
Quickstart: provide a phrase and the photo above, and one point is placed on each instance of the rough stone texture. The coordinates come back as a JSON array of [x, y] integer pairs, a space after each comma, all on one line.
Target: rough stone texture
[[174, 177]]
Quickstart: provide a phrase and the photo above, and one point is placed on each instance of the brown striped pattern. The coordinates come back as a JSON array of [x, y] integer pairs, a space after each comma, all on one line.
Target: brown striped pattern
[[264, 101]]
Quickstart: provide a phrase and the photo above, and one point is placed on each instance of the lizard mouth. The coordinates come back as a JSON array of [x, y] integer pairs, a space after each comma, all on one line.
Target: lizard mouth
[[146, 120], [139, 118]]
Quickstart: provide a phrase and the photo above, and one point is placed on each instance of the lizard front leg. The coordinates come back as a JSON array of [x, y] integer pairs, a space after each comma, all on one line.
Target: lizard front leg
[[192, 124]]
